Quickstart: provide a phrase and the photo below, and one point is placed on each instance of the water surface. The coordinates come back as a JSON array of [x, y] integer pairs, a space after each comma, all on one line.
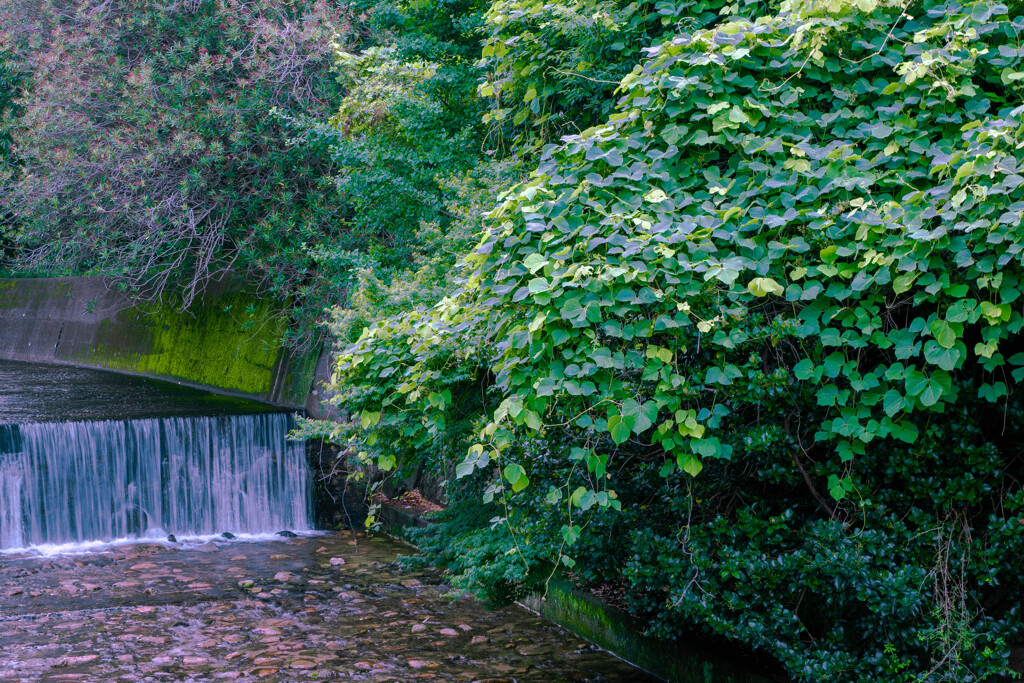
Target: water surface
[[89, 456], [37, 392], [325, 607]]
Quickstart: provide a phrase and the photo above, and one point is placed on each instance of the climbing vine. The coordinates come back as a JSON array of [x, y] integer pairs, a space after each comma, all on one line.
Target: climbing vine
[[800, 227]]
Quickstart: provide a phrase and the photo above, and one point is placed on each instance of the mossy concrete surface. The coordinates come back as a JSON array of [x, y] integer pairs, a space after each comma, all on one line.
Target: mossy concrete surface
[[622, 634], [229, 343]]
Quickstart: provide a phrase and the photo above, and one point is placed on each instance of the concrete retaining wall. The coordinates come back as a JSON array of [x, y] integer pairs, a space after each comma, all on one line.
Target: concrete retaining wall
[[623, 635], [229, 344]]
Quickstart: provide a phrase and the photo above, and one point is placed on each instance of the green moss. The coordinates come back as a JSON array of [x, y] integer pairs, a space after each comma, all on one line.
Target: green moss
[[214, 345], [301, 370], [232, 342], [619, 633]]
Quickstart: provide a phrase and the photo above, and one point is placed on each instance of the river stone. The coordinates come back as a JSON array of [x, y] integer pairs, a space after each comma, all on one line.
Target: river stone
[[337, 561], [423, 664], [374, 629]]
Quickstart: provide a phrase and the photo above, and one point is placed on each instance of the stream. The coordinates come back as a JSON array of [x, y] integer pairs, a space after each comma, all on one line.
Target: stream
[[97, 469]]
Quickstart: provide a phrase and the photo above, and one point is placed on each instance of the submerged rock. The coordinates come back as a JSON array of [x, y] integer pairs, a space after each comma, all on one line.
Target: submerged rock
[[287, 534], [172, 538], [228, 535]]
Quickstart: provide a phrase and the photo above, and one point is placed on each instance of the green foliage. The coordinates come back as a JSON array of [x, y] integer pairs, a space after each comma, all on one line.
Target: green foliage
[[149, 143], [789, 258], [10, 81], [10, 84], [551, 67], [204, 143], [401, 130]]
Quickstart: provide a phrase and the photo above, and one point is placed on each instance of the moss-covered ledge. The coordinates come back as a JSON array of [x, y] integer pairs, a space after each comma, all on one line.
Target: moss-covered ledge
[[228, 344], [623, 635]]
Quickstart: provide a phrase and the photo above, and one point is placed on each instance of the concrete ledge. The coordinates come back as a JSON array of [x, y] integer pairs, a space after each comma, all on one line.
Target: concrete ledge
[[622, 635], [228, 344]]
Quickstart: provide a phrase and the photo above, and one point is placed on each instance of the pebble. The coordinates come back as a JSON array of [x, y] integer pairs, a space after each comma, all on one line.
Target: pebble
[[206, 621], [423, 664]]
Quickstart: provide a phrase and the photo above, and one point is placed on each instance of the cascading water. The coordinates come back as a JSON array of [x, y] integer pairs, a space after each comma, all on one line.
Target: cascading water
[[73, 482]]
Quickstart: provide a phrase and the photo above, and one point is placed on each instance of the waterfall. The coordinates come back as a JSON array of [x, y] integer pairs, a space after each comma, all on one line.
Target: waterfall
[[73, 482]]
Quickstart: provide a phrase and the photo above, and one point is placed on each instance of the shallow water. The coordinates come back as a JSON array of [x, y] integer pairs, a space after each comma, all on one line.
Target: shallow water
[[286, 610], [36, 392]]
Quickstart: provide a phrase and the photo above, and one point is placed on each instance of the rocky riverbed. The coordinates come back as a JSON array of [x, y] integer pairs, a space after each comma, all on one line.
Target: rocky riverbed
[[331, 606]]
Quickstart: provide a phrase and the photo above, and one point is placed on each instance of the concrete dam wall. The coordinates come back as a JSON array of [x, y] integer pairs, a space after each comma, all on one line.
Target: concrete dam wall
[[228, 344]]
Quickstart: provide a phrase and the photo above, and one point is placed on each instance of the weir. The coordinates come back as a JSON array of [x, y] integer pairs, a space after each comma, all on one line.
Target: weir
[[72, 482]]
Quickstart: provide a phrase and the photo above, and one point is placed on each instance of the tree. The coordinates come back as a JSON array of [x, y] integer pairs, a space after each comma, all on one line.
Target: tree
[[760, 323], [154, 141]]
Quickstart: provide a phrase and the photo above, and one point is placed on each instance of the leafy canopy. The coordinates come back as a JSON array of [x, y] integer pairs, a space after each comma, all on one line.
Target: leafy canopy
[[799, 227]]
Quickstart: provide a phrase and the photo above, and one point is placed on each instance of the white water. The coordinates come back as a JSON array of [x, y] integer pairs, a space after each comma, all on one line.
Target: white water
[[80, 482]]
